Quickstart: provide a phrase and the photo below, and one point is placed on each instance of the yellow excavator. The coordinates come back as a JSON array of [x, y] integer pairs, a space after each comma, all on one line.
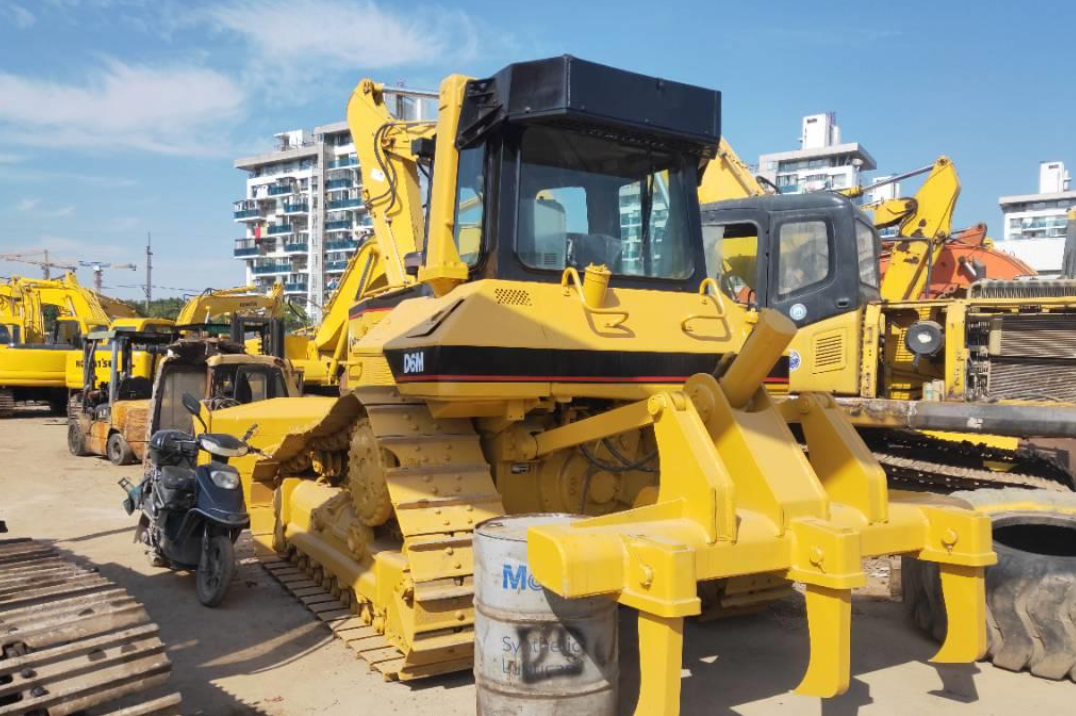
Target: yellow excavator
[[33, 363], [217, 304], [547, 337], [320, 357]]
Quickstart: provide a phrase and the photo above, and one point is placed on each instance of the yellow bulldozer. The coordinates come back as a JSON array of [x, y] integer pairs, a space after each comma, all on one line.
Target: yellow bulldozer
[[546, 337]]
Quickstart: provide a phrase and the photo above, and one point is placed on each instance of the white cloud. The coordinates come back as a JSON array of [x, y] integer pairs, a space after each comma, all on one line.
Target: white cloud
[[364, 34], [19, 16], [169, 110], [10, 158], [27, 204], [63, 211]]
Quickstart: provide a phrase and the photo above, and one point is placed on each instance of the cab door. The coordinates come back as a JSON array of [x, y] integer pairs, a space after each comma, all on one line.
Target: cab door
[[735, 243], [807, 280]]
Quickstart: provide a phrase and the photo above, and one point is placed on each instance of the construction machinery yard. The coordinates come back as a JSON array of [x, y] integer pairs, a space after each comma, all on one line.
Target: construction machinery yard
[[539, 460], [262, 652]]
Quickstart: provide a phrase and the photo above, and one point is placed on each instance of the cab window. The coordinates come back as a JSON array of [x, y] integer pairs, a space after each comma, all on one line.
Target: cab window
[[731, 252], [470, 196], [5, 336], [803, 256], [866, 244], [588, 199]]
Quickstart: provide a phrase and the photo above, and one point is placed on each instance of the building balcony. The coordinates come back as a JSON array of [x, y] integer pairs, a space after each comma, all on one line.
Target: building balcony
[[789, 188], [247, 214], [272, 267], [299, 207], [296, 247], [339, 184], [295, 287], [281, 190], [343, 162], [275, 229], [342, 225], [350, 203], [341, 244], [339, 265], [245, 247]]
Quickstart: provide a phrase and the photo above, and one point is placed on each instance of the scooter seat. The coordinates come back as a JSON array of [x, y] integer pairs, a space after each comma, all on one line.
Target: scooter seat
[[176, 478]]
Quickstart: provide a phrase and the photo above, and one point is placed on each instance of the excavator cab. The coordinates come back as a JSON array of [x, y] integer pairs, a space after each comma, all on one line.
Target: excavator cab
[[805, 241]]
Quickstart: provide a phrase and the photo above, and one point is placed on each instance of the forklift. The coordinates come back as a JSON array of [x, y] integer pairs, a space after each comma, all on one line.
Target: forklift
[[111, 418]]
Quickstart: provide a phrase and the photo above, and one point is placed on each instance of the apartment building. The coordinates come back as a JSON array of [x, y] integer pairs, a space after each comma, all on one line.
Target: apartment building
[[822, 162], [303, 215], [1035, 223]]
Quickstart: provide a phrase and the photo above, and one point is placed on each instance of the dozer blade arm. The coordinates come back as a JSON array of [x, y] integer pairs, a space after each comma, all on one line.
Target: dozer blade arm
[[761, 507]]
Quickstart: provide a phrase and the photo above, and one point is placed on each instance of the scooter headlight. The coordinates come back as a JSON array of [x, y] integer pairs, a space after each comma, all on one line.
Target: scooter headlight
[[225, 479]]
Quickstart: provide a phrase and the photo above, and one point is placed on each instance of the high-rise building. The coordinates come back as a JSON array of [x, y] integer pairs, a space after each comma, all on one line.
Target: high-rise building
[[303, 211], [1035, 223], [822, 162]]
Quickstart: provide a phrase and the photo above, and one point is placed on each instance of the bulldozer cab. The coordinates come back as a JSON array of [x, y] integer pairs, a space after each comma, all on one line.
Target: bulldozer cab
[[810, 256], [564, 163]]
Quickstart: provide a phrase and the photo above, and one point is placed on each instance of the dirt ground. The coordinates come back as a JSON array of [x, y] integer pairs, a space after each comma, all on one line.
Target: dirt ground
[[262, 653]]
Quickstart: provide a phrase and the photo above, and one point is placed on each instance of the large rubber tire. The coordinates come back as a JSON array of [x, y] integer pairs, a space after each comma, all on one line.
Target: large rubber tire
[[118, 451], [1030, 592], [76, 439], [216, 567]]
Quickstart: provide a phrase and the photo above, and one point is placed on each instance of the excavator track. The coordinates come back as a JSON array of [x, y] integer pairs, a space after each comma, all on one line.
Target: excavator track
[[440, 487], [919, 461], [941, 477], [72, 642], [7, 403]]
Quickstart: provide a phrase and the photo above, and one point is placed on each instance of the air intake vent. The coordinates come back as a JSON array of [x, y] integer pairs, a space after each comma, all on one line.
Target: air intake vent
[[512, 297], [829, 352]]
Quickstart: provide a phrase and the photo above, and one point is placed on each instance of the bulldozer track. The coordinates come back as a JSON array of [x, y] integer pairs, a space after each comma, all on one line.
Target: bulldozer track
[[71, 641], [440, 488]]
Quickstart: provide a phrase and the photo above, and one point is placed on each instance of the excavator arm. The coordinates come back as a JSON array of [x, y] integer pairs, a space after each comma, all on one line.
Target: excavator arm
[[242, 300], [728, 177], [925, 224], [391, 191], [72, 299]]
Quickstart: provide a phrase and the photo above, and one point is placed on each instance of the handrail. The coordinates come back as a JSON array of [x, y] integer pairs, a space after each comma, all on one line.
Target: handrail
[[572, 275], [707, 283]]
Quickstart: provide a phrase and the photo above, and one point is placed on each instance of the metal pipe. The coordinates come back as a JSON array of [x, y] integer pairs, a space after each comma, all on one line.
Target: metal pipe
[[760, 352], [1022, 421]]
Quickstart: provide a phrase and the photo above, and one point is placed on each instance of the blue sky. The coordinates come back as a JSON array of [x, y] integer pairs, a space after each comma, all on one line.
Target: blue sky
[[119, 117]]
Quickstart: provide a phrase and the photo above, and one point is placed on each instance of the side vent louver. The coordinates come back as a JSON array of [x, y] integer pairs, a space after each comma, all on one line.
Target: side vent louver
[[829, 352]]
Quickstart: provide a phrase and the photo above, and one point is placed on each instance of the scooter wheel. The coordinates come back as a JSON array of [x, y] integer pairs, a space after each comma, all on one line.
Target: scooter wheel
[[216, 567]]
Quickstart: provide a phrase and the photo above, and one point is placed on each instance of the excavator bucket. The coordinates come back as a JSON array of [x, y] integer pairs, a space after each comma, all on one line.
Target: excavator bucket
[[738, 497]]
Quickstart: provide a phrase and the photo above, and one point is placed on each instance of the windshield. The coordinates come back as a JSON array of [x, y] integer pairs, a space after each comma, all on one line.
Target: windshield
[[586, 199]]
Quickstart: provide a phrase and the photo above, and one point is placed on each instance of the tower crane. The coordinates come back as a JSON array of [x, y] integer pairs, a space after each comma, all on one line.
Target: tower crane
[[99, 269], [44, 262]]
